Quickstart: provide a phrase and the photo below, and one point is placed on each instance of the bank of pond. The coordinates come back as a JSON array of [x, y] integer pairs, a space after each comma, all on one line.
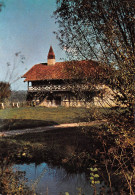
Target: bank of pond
[[52, 180], [78, 161]]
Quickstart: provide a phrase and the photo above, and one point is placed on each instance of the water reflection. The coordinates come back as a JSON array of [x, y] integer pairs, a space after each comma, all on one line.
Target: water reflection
[[54, 180]]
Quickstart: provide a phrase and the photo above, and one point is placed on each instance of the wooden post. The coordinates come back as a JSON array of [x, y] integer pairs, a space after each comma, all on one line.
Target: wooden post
[[17, 104], [53, 103], [2, 104]]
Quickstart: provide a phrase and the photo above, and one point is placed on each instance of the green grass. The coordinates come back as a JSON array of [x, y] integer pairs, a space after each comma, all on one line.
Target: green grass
[[29, 117], [59, 115]]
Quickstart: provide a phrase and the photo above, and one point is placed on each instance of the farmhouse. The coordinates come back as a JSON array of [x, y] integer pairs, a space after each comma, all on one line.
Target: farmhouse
[[68, 83]]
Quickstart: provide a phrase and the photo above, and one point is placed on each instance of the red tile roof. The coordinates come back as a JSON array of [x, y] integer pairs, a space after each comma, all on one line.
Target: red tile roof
[[63, 70]]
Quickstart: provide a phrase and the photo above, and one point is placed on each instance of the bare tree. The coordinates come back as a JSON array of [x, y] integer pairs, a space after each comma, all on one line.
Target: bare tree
[[11, 76], [12, 73]]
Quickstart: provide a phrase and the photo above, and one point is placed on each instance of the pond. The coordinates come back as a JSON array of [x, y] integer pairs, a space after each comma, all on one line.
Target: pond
[[52, 180]]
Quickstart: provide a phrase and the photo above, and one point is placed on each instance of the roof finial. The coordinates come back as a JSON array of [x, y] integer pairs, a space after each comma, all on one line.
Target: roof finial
[[51, 57], [51, 54]]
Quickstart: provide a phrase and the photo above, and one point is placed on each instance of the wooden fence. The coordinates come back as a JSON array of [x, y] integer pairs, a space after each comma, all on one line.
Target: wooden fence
[[14, 104]]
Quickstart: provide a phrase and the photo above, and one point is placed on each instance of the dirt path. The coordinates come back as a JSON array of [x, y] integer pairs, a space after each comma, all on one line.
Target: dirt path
[[47, 128]]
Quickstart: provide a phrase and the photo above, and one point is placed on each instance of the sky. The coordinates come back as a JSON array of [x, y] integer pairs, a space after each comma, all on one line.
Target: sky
[[26, 29]]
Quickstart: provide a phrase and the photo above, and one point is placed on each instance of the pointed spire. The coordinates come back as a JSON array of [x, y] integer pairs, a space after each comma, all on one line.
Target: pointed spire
[[51, 57], [51, 54]]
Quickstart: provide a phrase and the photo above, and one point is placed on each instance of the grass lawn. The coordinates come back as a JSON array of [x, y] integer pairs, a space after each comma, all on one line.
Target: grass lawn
[[59, 115], [26, 117]]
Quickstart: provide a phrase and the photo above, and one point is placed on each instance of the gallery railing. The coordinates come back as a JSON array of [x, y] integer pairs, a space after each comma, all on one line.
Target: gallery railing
[[59, 87]]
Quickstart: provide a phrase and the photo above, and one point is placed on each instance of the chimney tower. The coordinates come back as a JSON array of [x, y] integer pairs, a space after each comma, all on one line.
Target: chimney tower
[[51, 57]]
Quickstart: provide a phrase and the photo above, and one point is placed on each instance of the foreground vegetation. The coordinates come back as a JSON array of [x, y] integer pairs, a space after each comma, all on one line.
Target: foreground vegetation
[[75, 149], [104, 34]]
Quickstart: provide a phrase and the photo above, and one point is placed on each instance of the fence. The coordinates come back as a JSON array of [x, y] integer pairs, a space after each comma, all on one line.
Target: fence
[[14, 104]]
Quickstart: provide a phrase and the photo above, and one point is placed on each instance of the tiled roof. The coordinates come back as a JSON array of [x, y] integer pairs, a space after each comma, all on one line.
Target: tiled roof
[[63, 70]]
